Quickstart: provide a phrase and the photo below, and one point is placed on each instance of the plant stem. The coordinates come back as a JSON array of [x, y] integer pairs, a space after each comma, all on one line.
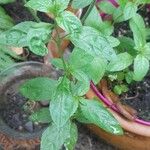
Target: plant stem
[[58, 43], [88, 11], [33, 12]]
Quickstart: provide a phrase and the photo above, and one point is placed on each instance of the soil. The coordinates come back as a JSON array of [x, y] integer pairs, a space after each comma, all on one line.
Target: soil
[[17, 111], [139, 98], [16, 116], [88, 141]]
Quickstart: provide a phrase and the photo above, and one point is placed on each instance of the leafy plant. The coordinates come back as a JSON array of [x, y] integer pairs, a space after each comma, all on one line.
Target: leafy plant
[[136, 48], [7, 56], [97, 53]]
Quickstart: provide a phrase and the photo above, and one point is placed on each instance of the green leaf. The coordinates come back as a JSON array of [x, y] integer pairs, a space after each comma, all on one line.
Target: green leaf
[[63, 4], [87, 66], [141, 67], [40, 5], [97, 69], [63, 104], [69, 22], [39, 89], [58, 63], [95, 23], [13, 37], [137, 26], [119, 89], [122, 3], [146, 51], [38, 47], [53, 137], [148, 34], [83, 84], [94, 43], [106, 28], [97, 114], [126, 45], [6, 21], [79, 59], [7, 57], [48, 6], [42, 116], [142, 1], [20, 34], [80, 4], [114, 42], [6, 1], [130, 10], [71, 142], [107, 7], [129, 77], [118, 15], [37, 37], [122, 61], [28, 33], [112, 77]]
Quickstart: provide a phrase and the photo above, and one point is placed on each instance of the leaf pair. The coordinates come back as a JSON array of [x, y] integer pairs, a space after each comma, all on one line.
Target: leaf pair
[[141, 62], [49, 6], [93, 112], [53, 137], [31, 34], [63, 104]]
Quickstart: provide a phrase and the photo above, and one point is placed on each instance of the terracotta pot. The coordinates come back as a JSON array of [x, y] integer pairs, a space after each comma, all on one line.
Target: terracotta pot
[[136, 136], [12, 78]]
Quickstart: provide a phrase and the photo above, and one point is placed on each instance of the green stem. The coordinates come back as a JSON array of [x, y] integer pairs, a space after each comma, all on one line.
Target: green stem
[[33, 12], [88, 11]]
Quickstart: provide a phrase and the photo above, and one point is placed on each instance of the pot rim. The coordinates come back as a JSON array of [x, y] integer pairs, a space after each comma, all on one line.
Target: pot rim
[[127, 125], [6, 129]]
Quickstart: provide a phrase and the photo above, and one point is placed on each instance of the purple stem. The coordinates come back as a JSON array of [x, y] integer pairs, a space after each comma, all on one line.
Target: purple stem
[[112, 106], [111, 1], [96, 91], [103, 15], [114, 3]]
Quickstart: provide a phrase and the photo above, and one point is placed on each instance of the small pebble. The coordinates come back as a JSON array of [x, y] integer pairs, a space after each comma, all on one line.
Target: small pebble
[[29, 126], [36, 123], [20, 128]]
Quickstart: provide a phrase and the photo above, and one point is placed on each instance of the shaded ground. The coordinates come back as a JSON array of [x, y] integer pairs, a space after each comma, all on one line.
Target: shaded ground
[[88, 141]]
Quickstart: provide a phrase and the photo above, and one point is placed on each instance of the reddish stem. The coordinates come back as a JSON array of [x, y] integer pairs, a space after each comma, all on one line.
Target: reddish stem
[[113, 107], [103, 15]]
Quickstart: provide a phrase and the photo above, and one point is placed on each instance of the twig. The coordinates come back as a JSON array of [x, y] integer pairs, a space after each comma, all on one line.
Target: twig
[[132, 97]]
